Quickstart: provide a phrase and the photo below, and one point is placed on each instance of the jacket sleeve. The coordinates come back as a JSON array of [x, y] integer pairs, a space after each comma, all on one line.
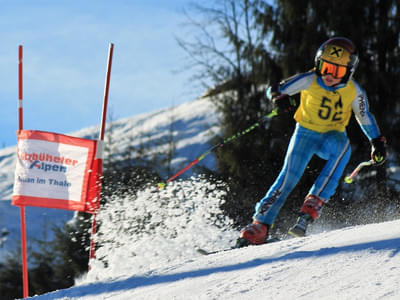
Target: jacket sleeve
[[292, 85], [364, 117]]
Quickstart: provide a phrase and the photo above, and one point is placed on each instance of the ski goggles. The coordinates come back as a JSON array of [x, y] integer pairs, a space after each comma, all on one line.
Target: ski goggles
[[336, 71]]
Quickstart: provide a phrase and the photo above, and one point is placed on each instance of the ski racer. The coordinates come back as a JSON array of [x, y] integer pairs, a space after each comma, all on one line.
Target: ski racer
[[328, 95]]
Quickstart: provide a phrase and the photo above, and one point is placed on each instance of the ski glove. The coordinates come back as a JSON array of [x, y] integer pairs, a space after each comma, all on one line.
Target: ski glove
[[378, 151], [284, 102]]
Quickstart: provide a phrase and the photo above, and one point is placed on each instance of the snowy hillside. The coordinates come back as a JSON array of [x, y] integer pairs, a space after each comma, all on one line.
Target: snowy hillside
[[360, 262], [7, 167], [191, 124]]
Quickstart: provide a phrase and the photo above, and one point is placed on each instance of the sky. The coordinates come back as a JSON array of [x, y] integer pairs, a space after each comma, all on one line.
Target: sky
[[65, 50]]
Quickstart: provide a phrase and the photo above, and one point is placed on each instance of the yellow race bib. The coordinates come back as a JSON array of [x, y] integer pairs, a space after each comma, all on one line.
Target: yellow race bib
[[321, 110]]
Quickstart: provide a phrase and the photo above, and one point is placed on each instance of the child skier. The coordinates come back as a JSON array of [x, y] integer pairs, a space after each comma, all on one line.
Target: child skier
[[328, 95]]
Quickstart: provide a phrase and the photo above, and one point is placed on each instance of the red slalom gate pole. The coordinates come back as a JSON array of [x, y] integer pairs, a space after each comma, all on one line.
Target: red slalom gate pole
[[24, 254], [22, 208], [106, 92], [99, 151], [20, 93]]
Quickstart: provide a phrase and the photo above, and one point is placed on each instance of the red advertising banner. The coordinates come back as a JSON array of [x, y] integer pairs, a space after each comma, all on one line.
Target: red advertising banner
[[56, 171]]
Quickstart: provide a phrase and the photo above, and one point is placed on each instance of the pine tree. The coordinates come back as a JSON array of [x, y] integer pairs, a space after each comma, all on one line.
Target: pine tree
[[11, 277]]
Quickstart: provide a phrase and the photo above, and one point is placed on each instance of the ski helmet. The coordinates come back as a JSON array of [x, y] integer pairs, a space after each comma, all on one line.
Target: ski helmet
[[337, 56]]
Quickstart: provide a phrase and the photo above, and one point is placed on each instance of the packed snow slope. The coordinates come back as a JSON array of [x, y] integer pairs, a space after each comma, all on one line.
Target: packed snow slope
[[139, 260], [354, 263]]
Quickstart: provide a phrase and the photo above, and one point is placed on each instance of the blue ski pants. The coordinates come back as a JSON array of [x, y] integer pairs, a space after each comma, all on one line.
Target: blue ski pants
[[332, 146]]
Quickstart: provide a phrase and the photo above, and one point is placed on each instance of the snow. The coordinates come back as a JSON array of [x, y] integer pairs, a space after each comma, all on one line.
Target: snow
[[7, 167], [161, 227], [161, 262]]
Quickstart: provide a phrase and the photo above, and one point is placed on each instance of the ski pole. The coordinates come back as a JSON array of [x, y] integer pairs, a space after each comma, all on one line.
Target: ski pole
[[349, 178], [264, 119]]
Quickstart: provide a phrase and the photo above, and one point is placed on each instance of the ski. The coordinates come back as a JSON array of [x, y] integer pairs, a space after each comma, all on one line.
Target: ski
[[239, 244]]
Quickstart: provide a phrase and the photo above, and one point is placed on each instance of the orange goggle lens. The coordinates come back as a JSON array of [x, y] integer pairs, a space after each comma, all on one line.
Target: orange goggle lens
[[336, 71]]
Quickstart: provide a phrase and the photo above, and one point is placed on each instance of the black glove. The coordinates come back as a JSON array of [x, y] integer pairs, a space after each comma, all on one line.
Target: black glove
[[284, 102], [378, 150]]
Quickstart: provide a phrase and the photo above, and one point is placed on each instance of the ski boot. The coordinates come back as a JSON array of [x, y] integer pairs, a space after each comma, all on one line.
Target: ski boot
[[300, 228], [308, 213], [253, 234]]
